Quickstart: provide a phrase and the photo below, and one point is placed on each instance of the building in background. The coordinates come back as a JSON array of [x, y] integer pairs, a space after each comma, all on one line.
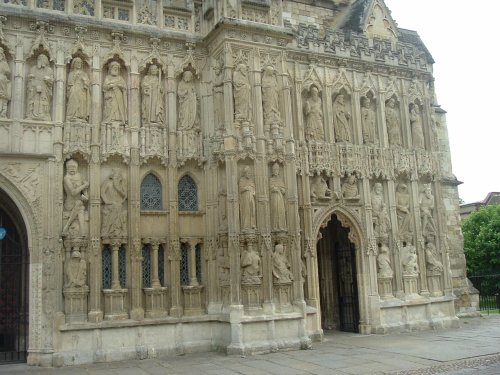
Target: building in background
[[468, 208], [221, 175]]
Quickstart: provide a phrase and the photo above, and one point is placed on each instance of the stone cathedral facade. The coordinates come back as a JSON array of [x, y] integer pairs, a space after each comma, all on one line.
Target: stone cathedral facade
[[236, 175]]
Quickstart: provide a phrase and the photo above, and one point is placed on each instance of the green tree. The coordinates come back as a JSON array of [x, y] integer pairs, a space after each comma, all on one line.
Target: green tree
[[482, 240]]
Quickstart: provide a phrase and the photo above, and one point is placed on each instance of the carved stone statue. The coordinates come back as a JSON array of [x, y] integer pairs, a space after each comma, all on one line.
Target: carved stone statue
[[242, 94], [384, 262], [350, 188], [410, 260], [40, 83], [250, 265], [368, 122], [281, 265], [277, 200], [341, 117], [113, 195], [319, 189], [426, 210], [403, 210], [417, 132], [188, 126], [270, 98], [76, 196], [76, 271], [152, 97], [115, 96], [78, 93], [313, 111], [247, 201], [431, 259], [5, 85], [392, 121], [379, 212]]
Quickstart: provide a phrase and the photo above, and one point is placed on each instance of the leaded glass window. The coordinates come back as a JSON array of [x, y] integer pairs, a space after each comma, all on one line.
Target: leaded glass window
[[84, 7], [151, 195], [16, 2], [51, 4], [184, 264], [161, 265], [188, 194], [146, 267], [198, 263], [106, 268], [122, 267]]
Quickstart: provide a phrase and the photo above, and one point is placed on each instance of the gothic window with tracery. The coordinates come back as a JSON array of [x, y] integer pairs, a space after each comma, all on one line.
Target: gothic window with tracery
[[161, 265], [198, 263], [184, 264], [151, 195], [122, 267], [119, 10], [51, 4], [106, 268], [146, 266], [188, 194]]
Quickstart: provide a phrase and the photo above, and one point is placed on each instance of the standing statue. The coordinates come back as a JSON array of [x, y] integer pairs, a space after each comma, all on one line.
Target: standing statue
[[188, 114], [393, 123], [247, 201], [76, 271], [242, 94], [78, 93], [152, 97], [5, 85], [417, 132], [379, 212], [250, 264], [314, 116], [368, 122], [410, 261], [40, 83], [426, 210], [113, 195], [431, 259], [403, 210], [270, 98], [341, 119], [384, 262], [277, 200], [350, 187], [115, 95], [281, 265], [320, 190], [76, 196]]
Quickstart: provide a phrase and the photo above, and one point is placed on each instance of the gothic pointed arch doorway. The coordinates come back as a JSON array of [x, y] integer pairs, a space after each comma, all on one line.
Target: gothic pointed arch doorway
[[14, 263], [337, 271]]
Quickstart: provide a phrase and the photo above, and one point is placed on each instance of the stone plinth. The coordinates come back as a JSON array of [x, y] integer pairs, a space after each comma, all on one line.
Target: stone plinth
[[411, 286], [251, 295], [75, 304], [193, 300], [434, 284], [115, 304], [385, 287], [156, 302], [282, 294]]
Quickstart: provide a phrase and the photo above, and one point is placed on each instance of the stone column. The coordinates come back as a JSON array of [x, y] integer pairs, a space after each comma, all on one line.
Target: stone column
[[357, 127], [115, 270], [155, 280]]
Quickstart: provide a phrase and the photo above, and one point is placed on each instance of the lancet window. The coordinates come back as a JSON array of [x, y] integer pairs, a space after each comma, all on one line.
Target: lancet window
[[188, 194], [151, 193]]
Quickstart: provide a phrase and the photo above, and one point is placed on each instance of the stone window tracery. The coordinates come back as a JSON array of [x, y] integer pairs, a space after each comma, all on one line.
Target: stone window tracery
[[161, 266], [151, 193], [187, 194], [106, 268], [118, 10], [51, 4], [184, 266], [198, 263], [122, 267], [146, 267]]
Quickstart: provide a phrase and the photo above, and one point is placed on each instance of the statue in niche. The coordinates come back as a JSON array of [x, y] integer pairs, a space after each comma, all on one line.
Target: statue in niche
[[393, 123], [76, 196], [426, 210], [403, 210], [431, 258], [188, 114], [417, 132], [384, 261], [40, 83], [277, 200], [247, 201], [320, 190], [242, 94], [152, 97], [113, 195], [313, 112], [222, 210], [368, 122], [78, 93], [410, 260], [219, 99], [250, 264], [5, 85], [270, 97], [350, 188], [115, 95], [76, 271], [379, 212], [281, 265], [341, 119]]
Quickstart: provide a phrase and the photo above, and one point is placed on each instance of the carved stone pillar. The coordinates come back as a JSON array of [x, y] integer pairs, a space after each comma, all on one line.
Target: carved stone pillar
[[411, 286], [385, 287], [115, 299], [155, 280], [434, 283], [175, 287]]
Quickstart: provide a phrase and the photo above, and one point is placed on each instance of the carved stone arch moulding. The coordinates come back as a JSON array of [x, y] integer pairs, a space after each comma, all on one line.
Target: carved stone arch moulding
[[155, 58], [415, 93], [312, 78], [342, 83], [368, 84], [392, 90], [41, 45]]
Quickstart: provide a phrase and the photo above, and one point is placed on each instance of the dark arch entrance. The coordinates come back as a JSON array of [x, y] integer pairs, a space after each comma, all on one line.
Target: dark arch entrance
[[14, 262], [337, 279]]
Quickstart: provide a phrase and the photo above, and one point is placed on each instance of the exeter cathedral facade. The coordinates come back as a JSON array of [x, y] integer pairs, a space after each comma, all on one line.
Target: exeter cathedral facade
[[234, 175]]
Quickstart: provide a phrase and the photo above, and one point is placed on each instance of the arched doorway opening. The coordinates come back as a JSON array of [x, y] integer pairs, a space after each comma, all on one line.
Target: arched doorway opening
[[14, 263], [337, 278]]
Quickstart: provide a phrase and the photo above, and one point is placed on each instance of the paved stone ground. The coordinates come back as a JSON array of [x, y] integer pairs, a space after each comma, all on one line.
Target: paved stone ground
[[473, 349]]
